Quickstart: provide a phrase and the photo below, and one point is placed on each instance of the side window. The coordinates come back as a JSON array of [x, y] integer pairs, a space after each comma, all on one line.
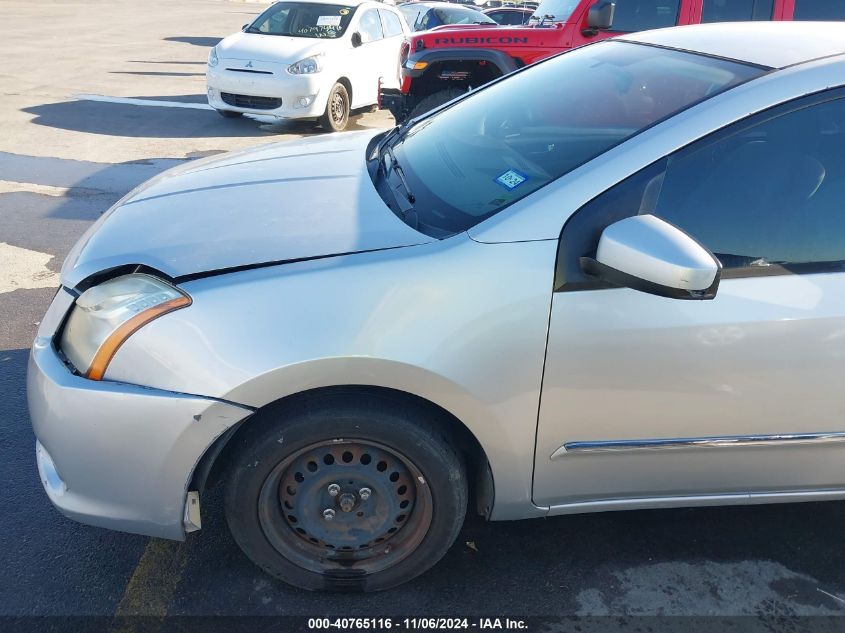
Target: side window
[[737, 10], [771, 194], [763, 195], [641, 15], [428, 21], [370, 26], [819, 10], [392, 24]]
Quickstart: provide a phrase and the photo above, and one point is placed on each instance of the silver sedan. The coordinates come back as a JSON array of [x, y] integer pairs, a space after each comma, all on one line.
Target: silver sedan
[[610, 280]]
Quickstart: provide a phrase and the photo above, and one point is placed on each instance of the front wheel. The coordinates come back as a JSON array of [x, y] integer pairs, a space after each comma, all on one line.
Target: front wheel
[[336, 116], [345, 493]]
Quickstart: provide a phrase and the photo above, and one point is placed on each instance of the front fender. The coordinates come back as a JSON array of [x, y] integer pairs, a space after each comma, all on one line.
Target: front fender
[[458, 323]]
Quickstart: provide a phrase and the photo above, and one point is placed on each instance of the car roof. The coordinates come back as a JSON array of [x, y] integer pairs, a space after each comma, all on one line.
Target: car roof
[[771, 44]]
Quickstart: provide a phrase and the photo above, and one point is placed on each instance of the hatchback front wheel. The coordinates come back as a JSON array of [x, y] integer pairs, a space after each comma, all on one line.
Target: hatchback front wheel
[[336, 117]]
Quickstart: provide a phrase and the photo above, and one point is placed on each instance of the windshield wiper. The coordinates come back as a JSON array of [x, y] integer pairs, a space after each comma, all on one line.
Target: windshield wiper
[[394, 166]]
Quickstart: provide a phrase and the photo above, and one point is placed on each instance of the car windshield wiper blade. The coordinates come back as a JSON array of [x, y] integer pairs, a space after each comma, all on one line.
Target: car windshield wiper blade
[[395, 167]]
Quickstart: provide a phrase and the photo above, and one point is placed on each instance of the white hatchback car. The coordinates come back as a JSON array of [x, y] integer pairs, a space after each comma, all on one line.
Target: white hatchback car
[[308, 60]]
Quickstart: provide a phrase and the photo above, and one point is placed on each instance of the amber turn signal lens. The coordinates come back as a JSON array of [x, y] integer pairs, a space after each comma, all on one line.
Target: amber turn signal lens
[[110, 346]]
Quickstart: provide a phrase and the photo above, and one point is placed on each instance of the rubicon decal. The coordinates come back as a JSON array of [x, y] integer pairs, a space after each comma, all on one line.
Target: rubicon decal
[[443, 41]]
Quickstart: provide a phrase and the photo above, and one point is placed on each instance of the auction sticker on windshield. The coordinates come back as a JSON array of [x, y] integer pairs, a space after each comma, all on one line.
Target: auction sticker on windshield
[[511, 179], [328, 20]]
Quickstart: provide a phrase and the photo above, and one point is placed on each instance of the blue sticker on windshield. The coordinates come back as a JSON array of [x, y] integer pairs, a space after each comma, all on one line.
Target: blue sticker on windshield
[[511, 179]]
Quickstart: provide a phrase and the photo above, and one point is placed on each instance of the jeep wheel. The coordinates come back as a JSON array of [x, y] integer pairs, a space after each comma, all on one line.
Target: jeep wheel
[[336, 116], [345, 492], [435, 100]]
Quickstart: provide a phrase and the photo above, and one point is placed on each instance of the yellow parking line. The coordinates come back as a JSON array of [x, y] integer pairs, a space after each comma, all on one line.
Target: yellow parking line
[[155, 579]]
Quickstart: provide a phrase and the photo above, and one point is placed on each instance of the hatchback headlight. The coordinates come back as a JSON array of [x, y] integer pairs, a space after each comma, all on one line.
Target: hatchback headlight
[[212, 57], [106, 315], [307, 66]]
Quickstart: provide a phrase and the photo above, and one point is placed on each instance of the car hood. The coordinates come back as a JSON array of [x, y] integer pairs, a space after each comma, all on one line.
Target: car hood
[[272, 48], [276, 203]]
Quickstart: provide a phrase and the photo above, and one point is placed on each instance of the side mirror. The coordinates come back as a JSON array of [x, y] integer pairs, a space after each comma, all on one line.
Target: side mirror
[[244, 27], [647, 254], [600, 17], [356, 39]]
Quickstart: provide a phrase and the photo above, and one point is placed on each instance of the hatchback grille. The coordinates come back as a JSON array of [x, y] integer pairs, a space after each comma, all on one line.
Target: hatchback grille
[[251, 102], [249, 70]]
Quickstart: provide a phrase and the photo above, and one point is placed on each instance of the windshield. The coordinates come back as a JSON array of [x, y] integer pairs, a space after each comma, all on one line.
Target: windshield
[[460, 15], [303, 19], [495, 147], [556, 10]]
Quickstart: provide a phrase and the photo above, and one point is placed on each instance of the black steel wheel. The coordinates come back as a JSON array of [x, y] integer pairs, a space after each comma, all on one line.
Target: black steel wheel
[[345, 493], [336, 117]]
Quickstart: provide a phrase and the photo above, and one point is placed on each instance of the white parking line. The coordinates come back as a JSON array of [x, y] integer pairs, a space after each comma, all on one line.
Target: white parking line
[[23, 269], [10, 186], [143, 102]]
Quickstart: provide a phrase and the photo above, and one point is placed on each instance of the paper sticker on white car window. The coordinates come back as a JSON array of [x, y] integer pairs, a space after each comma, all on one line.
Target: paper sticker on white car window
[[511, 179], [328, 20]]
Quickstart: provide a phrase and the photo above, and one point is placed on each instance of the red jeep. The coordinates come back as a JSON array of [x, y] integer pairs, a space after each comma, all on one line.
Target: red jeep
[[443, 63]]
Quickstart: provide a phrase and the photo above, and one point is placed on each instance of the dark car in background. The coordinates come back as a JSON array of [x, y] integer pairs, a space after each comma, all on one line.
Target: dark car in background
[[422, 16]]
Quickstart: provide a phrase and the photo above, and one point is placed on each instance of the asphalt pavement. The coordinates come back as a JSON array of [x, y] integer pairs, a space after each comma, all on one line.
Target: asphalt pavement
[[95, 98]]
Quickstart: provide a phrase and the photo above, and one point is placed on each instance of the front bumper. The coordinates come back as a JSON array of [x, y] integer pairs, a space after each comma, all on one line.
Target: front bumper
[[116, 455], [278, 85]]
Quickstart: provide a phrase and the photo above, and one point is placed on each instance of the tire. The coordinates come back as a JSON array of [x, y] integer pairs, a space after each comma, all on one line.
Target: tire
[[336, 117], [435, 100], [279, 489], [229, 114]]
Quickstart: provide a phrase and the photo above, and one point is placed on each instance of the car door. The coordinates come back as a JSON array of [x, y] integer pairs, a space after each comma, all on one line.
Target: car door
[[367, 64], [394, 36], [670, 401]]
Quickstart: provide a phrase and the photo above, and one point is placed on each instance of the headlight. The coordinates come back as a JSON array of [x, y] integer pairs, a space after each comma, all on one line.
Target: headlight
[[106, 315], [307, 66], [212, 57]]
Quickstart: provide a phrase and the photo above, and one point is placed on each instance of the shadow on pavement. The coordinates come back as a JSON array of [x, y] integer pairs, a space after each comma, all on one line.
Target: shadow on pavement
[[155, 73], [195, 98], [140, 121], [196, 41], [118, 119]]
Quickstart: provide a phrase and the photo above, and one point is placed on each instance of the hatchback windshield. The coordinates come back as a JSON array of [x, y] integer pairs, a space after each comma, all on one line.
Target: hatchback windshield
[[303, 19], [487, 151]]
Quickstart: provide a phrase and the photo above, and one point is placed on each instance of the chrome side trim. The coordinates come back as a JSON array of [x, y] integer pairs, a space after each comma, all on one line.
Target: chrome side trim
[[728, 441], [691, 501]]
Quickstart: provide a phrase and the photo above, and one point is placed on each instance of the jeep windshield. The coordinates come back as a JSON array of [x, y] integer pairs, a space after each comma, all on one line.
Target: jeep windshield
[[472, 159], [555, 10], [303, 19]]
